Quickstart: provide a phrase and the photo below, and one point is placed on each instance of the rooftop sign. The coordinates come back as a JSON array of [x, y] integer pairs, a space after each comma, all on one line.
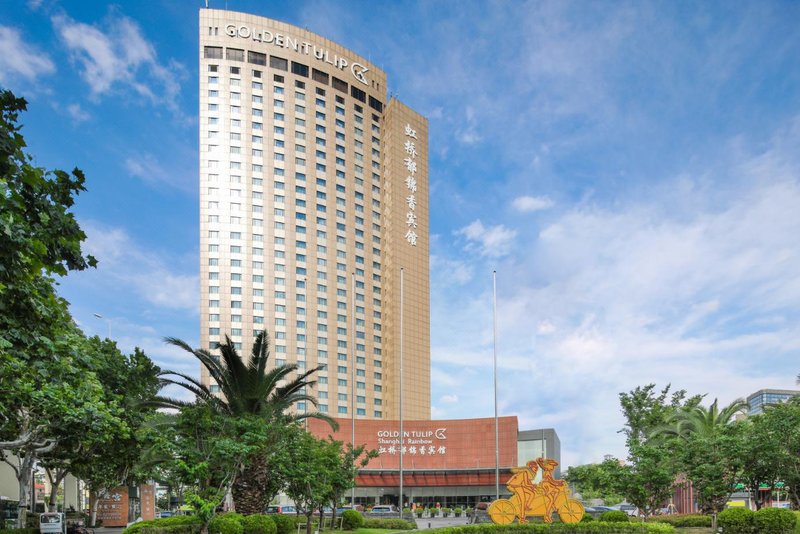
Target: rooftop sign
[[281, 40]]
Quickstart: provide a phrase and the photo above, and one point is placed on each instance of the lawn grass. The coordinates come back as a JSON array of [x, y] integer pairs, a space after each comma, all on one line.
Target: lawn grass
[[694, 530]]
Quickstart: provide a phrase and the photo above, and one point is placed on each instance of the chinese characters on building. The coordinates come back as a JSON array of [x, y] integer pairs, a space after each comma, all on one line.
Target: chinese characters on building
[[410, 162], [413, 449]]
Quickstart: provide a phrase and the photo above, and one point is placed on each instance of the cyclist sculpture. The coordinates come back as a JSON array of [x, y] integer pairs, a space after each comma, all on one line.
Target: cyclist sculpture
[[531, 499]]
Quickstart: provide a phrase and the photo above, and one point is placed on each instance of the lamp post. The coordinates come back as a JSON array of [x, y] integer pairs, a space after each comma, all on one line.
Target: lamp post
[[108, 322]]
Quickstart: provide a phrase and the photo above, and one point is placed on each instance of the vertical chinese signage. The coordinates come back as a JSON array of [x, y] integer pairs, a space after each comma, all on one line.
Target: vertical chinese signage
[[410, 163], [112, 507], [148, 495]]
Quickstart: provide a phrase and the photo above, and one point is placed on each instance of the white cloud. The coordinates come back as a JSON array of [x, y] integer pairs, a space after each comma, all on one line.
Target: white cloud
[[77, 113], [119, 58], [447, 271], [20, 58], [494, 241], [150, 275], [450, 399], [148, 169], [529, 204], [685, 283]]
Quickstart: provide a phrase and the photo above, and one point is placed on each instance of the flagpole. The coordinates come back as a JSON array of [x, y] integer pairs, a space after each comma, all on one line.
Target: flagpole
[[353, 379], [496, 426], [401, 390]]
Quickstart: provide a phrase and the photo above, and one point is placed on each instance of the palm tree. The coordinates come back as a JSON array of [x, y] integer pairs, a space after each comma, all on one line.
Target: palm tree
[[700, 435], [699, 421], [247, 389]]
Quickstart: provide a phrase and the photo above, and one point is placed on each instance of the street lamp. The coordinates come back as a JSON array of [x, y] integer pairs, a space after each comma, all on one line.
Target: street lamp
[[108, 322]]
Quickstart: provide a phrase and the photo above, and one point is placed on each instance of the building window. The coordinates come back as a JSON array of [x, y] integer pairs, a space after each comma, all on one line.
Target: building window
[[278, 63], [213, 52], [234, 54]]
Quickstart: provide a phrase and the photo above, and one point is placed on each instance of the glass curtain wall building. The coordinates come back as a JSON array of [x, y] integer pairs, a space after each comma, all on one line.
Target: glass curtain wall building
[[313, 197]]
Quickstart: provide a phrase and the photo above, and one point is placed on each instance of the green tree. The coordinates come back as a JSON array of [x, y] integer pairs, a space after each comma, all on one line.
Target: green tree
[[343, 473], [40, 237], [40, 370], [313, 466], [248, 388], [46, 402], [598, 481], [710, 447], [648, 480], [130, 382], [650, 475], [762, 458], [771, 450], [646, 410]]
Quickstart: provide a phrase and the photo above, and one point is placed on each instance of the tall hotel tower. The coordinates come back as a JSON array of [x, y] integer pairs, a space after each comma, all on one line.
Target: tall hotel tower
[[313, 198]]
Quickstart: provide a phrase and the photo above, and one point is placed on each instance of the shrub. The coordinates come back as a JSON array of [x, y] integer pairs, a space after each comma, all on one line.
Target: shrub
[[19, 530], [445, 512], [458, 511], [390, 524], [179, 524], [736, 521], [406, 510], [683, 520], [614, 516], [774, 521], [229, 523], [351, 520], [258, 524], [284, 524], [586, 518]]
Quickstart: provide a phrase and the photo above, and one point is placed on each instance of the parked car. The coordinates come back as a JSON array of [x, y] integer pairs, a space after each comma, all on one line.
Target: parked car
[[384, 509], [280, 509], [166, 513], [628, 508], [340, 509]]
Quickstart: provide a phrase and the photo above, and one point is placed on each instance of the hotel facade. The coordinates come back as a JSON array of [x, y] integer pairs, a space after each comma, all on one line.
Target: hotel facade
[[313, 201]]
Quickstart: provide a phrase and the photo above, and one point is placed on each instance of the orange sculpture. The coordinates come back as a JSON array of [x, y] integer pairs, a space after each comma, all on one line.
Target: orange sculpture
[[531, 499]]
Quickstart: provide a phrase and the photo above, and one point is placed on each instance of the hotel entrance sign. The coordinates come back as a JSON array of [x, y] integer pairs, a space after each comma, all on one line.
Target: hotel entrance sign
[[415, 442]]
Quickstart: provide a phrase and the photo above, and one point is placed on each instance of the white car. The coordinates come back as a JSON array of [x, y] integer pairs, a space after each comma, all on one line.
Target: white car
[[384, 509]]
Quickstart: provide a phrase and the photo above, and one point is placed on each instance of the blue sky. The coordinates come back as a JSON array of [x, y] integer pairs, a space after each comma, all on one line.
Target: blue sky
[[630, 169]]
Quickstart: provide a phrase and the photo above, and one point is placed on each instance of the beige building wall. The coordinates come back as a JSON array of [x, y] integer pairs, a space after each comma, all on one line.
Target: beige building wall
[[294, 234], [407, 246]]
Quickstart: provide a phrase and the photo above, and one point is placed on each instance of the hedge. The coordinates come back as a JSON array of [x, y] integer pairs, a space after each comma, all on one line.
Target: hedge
[[259, 524], [19, 531], [774, 521], [614, 516], [286, 524], [593, 527], [391, 524], [229, 523], [351, 520], [683, 520], [179, 524], [736, 521]]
